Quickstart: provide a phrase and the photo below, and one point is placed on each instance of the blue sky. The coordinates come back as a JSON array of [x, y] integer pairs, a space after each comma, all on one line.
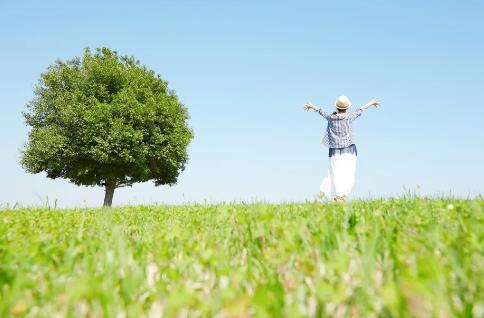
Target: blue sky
[[245, 68]]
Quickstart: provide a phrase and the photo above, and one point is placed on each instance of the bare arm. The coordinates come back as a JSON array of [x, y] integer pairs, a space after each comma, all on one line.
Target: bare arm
[[309, 106], [374, 102]]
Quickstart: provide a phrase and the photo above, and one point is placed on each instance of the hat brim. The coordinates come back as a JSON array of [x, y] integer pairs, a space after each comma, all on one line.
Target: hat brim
[[342, 108]]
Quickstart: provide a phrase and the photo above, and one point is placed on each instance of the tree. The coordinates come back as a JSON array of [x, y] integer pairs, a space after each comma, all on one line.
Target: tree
[[105, 120]]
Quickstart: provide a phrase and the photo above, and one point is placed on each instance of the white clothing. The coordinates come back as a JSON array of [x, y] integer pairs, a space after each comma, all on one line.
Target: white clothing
[[341, 175]]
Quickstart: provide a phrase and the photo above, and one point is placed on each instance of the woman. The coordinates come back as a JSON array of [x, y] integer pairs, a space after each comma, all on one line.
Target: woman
[[342, 151]]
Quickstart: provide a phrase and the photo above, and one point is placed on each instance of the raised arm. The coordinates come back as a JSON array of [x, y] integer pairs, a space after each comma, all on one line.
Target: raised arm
[[309, 106], [374, 102]]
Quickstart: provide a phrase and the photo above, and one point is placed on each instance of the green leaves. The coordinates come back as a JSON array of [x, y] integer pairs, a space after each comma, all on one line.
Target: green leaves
[[106, 117], [46, 143]]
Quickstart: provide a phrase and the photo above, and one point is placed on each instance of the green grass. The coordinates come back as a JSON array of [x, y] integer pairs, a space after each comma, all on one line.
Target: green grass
[[381, 258]]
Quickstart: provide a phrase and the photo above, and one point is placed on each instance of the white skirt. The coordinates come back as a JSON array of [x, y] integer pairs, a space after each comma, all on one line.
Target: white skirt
[[341, 175]]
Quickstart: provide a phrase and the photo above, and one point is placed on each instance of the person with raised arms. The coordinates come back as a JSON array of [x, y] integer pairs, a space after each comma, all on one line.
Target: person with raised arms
[[338, 138]]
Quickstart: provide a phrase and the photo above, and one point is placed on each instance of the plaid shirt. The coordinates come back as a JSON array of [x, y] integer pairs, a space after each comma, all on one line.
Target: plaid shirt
[[338, 134]]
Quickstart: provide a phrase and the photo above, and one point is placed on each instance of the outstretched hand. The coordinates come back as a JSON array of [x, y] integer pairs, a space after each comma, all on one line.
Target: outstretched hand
[[309, 106], [375, 102]]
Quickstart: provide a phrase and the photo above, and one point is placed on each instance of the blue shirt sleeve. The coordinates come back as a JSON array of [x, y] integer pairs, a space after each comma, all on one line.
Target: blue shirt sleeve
[[355, 114], [323, 113]]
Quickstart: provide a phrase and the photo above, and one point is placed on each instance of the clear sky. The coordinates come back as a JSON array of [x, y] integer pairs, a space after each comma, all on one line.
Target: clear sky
[[244, 69]]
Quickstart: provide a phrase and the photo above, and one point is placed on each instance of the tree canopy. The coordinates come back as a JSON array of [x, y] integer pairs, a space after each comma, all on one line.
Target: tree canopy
[[106, 120]]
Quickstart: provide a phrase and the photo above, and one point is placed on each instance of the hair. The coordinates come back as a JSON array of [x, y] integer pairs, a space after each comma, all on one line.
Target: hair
[[339, 111]]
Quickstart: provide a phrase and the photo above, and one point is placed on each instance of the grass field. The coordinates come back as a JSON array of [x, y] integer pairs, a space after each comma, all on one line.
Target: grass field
[[383, 258]]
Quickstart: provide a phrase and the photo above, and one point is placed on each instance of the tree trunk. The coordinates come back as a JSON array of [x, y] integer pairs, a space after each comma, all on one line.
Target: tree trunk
[[109, 193]]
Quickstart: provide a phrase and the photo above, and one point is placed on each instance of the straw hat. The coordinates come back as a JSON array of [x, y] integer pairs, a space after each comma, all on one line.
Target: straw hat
[[342, 103]]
